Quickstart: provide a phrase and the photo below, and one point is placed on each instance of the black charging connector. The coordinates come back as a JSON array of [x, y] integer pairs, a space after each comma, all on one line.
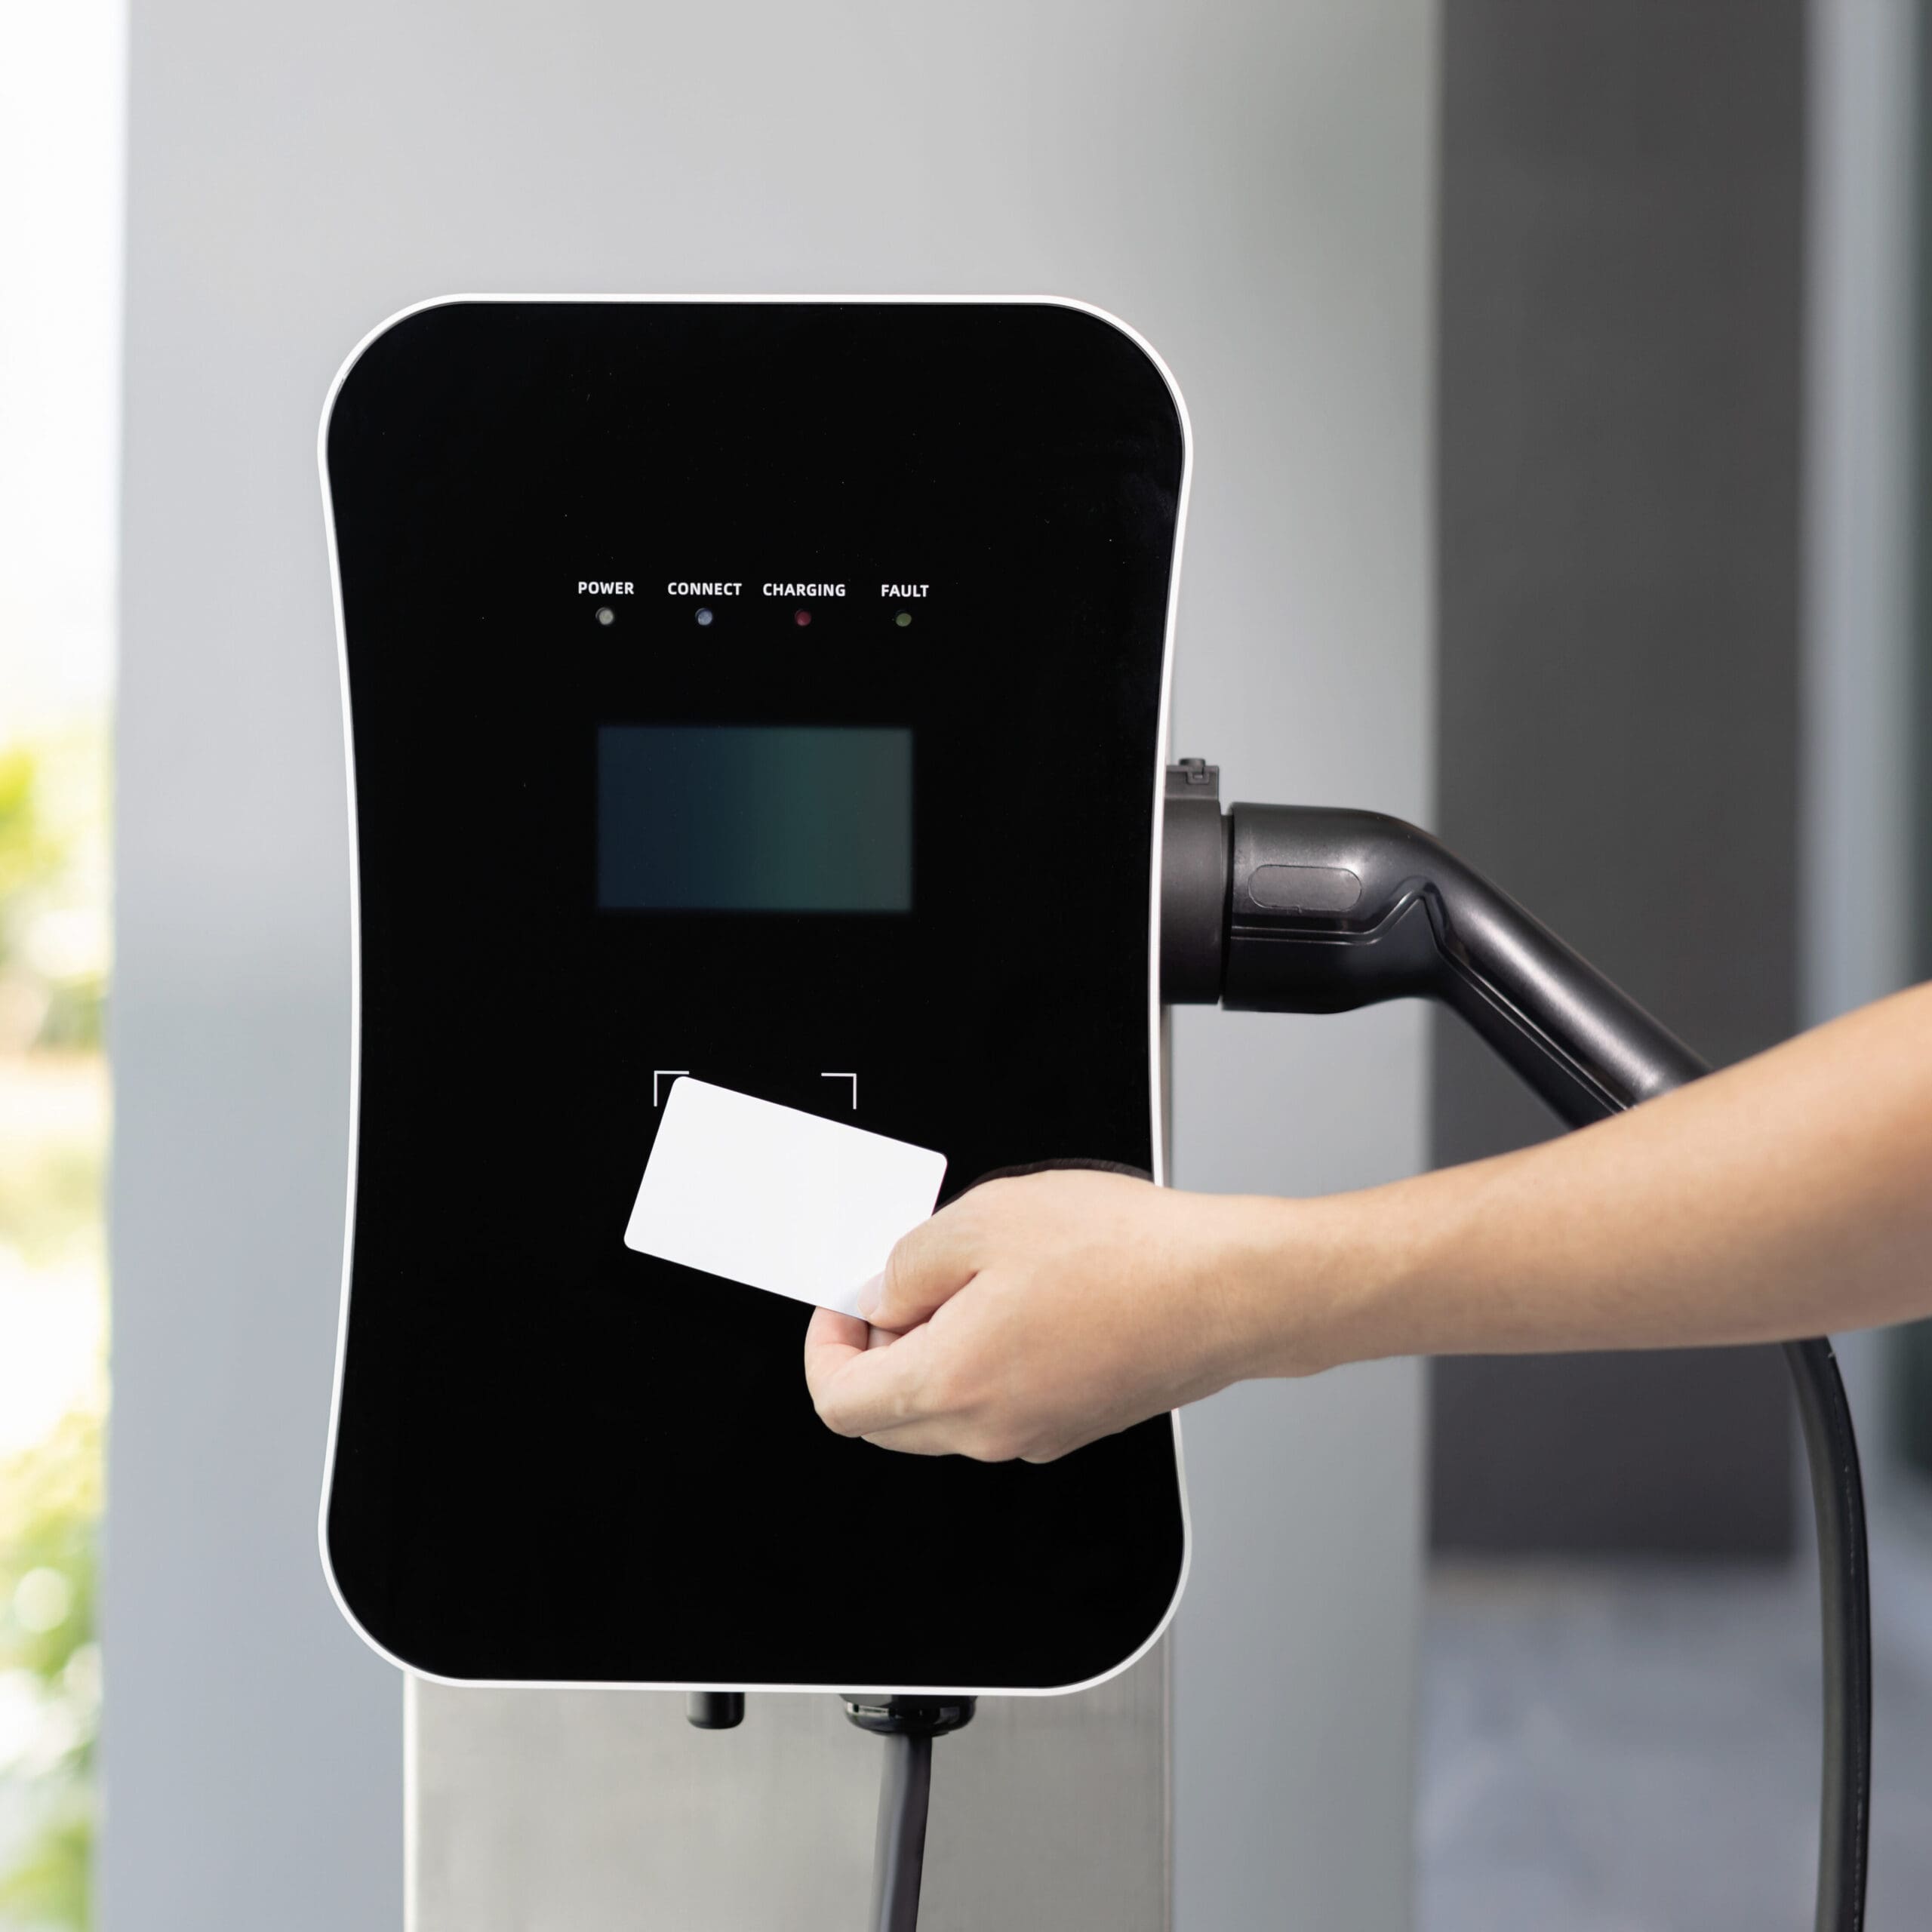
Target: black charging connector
[[1194, 885], [1317, 910]]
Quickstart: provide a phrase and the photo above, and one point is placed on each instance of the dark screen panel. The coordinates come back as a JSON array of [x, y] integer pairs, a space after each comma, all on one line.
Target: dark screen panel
[[753, 818], [559, 1460]]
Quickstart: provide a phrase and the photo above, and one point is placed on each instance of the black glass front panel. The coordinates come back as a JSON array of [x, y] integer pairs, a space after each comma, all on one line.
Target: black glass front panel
[[763, 691]]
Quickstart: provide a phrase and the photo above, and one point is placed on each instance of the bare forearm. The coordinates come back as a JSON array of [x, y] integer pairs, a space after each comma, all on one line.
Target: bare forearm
[[1786, 1197], [1789, 1195]]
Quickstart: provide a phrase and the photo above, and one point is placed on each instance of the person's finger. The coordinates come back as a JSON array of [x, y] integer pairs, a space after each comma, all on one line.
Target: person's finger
[[831, 1339], [926, 1269], [861, 1392]]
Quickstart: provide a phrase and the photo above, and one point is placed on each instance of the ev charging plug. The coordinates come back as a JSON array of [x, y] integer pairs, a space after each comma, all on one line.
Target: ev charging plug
[[1298, 908]]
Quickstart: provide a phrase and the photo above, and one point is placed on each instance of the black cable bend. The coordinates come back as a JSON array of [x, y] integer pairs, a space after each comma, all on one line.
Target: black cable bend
[[1837, 1501], [1844, 1583], [1844, 1580]]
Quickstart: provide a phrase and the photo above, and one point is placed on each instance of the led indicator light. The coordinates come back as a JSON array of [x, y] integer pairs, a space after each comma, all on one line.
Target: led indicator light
[[801, 618], [703, 614], [904, 618], [605, 615]]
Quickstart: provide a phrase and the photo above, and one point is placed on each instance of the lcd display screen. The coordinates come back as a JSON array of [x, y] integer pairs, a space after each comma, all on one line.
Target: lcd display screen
[[753, 818]]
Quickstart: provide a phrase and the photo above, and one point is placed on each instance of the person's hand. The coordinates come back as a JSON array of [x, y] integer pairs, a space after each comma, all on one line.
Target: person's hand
[[1035, 1313]]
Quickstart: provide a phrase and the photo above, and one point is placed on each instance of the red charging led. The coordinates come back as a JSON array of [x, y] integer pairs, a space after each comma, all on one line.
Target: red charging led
[[801, 618]]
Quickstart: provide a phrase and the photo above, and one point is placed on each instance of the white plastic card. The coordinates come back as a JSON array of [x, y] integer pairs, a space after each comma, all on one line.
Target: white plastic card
[[776, 1198]]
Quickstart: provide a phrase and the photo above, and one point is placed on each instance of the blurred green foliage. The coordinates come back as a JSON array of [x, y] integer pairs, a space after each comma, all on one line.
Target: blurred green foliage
[[53, 980], [50, 1667], [28, 854], [51, 1202], [53, 890]]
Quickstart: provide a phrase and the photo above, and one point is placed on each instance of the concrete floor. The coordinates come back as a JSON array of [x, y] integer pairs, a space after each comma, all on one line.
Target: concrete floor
[[1637, 1750]]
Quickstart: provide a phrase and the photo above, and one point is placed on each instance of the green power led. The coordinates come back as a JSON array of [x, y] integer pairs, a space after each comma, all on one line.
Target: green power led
[[904, 618]]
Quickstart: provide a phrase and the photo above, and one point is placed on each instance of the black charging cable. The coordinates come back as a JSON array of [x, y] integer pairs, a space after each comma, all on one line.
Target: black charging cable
[[908, 1725], [1292, 908], [899, 1851], [1838, 1503]]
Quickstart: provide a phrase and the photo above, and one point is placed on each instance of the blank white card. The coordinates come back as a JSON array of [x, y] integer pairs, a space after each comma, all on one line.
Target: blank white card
[[776, 1198]]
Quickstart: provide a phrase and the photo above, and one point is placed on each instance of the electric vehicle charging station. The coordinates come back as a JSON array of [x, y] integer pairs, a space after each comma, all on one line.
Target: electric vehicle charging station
[[901, 576]]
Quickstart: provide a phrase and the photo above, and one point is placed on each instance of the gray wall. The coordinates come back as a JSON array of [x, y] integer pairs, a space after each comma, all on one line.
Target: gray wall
[[1866, 571], [1623, 292], [1252, 187], [1861, 365]]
